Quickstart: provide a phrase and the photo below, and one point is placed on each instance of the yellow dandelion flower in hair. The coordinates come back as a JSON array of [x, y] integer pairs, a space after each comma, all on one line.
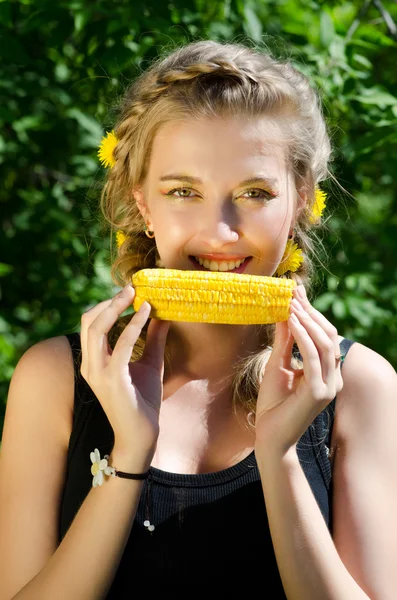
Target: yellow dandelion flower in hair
[[318, 206], [120, 238], [106, 148], [292, 258]]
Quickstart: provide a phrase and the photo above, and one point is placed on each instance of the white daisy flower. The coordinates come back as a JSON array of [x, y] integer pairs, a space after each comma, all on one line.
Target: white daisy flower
[[99, 467]]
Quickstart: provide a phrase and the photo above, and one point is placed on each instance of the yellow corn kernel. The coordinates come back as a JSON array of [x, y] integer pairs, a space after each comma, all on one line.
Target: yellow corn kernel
[[213, 296]]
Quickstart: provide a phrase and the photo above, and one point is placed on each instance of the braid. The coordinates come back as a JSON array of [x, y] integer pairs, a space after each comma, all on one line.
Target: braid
[[219, 67], [149, 91]]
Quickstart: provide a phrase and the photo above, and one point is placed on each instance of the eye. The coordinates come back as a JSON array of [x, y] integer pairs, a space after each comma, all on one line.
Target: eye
[[180, 189], [265, 195]]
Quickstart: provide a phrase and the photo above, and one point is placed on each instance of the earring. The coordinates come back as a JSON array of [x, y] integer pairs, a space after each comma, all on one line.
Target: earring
[[147, 232], [292, 258]]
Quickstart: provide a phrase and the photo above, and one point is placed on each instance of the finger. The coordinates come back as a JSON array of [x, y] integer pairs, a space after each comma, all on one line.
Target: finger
[[86, 319], [323, 344], [122, 351], [331, 331], [311, 360], [156, 338], [97, 340], [282, 346]]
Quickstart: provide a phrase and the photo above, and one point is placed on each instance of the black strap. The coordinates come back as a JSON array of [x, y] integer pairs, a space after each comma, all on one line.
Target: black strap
[[84, 398], [321, 429]]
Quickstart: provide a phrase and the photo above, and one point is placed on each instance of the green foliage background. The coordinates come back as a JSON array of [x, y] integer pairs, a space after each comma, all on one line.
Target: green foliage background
[[63, 66]]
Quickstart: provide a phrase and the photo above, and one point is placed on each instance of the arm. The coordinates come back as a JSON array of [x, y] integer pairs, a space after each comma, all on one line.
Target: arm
[[85, 563], [35, 439], [358, 563], [308, 561]]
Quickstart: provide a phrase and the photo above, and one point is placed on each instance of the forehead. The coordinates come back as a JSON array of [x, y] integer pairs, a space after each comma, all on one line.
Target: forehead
[[219, 144]]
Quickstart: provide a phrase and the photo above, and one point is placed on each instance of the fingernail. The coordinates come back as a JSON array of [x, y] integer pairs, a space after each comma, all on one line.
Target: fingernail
[[125, 291], [301, 292], [145, 306], [296, 304]]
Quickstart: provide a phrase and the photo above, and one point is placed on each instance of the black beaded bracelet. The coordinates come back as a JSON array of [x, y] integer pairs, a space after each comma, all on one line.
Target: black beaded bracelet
[[132, 475]]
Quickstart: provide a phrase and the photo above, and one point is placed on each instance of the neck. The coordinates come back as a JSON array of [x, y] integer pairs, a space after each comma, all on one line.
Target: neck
[[211, 351]]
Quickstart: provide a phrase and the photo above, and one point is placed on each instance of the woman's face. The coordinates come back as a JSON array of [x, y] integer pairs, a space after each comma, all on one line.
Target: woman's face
[[212, 211]]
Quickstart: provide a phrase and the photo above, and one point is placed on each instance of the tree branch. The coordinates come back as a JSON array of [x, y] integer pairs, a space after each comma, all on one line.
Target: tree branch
[[357, 20], [391, 26]]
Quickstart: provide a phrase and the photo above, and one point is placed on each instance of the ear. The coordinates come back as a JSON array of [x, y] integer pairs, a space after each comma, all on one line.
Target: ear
[[139, 196], [300, 203], [303, 192]]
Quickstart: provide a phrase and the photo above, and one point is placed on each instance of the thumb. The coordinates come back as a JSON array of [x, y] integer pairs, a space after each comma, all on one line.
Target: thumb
[[156, 337], [282, 347]]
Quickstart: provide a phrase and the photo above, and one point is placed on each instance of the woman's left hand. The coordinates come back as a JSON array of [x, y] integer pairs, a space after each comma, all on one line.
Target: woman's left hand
[[290, 399]]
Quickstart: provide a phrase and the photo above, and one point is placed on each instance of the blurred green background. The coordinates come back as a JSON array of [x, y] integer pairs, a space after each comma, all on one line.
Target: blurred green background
[[63, 66]]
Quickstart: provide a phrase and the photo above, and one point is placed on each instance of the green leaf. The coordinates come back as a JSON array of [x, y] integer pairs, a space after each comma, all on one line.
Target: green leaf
[[88, 123], [5, 269], [339, 308], [376, 95], [327, 31], [362, 60], [333, 283], [62, 72], [252, 25], [324, 301]]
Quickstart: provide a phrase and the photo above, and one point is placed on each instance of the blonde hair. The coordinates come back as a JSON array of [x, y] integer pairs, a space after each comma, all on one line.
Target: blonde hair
[[211, 79]]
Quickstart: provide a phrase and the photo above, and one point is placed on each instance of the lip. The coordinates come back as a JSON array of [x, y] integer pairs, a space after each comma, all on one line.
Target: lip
[[221, 257], [239, 269]]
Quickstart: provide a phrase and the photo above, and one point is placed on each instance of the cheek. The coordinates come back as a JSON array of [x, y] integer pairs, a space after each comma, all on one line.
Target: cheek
[[270, 234], [172, 234], [272, 224]]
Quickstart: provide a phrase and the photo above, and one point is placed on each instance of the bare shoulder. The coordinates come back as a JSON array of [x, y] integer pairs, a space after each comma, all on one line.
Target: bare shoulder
[[41, 391], [369, 387], [48, 366]]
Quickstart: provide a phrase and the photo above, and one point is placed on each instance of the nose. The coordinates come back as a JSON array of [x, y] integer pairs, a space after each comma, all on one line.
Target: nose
[[219, 235], [218, 229]]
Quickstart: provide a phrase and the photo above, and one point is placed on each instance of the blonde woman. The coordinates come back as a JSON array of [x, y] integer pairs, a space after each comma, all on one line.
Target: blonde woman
[[260, 459]]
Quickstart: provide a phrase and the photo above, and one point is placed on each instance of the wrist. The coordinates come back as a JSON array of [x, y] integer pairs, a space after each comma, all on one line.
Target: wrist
[[267, 456], [130, 461]]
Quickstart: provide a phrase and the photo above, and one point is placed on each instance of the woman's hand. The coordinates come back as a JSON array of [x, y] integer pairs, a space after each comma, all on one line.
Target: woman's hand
[[290, 399], [130, 393]]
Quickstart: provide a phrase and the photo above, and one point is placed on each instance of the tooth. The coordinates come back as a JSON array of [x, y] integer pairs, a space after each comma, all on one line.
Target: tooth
[[224, 266]]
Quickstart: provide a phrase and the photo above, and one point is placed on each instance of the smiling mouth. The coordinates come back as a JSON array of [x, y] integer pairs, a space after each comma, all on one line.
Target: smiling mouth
[[239, 269]]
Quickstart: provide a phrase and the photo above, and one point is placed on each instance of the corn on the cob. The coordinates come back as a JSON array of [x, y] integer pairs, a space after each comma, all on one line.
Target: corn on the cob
[[212, 296]]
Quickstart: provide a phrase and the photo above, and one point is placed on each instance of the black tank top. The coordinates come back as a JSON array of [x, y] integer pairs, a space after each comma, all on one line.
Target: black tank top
[[211, 529]]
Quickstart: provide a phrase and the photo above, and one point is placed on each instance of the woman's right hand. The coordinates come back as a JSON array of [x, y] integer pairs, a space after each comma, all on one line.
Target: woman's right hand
[[130, 392]]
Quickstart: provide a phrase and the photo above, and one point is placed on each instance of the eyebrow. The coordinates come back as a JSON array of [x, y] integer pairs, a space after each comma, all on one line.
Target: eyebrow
[[197, 181]]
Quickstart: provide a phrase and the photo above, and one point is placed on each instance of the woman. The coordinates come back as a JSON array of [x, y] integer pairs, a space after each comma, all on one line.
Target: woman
[[262, 467]]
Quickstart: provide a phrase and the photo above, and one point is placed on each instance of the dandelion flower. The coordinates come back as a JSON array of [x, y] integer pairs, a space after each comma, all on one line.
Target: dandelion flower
[[106, 149], [292, 258], [318, 206], [120, 238]]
